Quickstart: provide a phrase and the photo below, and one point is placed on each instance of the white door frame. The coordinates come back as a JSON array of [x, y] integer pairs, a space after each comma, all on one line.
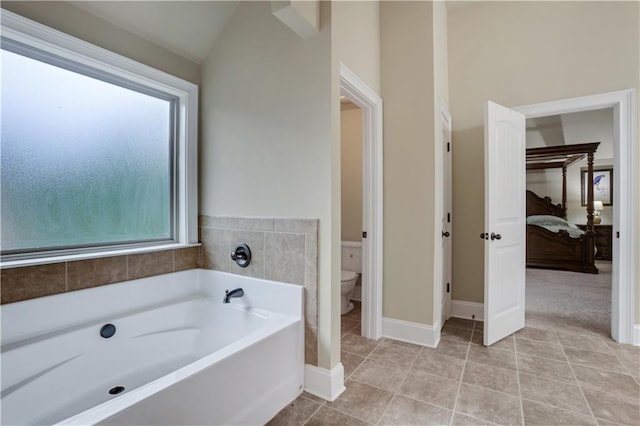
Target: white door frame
[[623, 104], [444, 122], [371, 105]]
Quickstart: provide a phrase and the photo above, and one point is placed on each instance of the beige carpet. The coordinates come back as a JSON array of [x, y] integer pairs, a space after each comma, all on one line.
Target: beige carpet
[[559, 299]]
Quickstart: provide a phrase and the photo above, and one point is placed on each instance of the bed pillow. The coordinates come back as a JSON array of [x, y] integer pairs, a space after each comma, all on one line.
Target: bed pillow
[[545, 220]]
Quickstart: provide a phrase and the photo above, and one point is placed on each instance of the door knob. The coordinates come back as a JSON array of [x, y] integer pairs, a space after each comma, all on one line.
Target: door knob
[[495, 236], [484, 236], [446, 233]]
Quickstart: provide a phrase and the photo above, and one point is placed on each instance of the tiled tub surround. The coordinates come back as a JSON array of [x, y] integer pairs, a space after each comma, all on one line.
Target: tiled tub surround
[[282, 249], [29, 282]]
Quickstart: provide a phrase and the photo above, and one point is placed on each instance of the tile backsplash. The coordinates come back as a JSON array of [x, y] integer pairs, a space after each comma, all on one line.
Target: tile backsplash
[[281, 250], [28, 282]]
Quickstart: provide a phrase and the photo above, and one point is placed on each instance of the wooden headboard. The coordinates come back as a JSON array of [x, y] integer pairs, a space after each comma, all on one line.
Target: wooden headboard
[[538, 205]]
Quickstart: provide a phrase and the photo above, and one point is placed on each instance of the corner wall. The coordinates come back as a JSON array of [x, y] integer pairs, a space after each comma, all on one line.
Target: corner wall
[[520, 53]]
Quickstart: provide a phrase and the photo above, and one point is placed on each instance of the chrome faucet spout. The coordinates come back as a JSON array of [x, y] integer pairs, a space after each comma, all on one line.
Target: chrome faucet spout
[[238, 292]]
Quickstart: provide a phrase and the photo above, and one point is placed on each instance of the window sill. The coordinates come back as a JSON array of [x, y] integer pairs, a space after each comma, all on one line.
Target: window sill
[[92, 255]]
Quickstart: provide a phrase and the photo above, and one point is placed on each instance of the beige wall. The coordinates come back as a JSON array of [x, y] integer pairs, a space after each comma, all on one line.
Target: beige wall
[[266, 147], [407, 79], [519, 53], [351, 178], [78, 23]]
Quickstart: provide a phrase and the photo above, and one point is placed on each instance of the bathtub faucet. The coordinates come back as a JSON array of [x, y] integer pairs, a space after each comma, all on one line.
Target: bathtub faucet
[[238, 292]]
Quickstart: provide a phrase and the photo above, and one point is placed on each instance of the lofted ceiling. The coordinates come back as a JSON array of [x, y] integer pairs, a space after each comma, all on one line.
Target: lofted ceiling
[[187, 28]]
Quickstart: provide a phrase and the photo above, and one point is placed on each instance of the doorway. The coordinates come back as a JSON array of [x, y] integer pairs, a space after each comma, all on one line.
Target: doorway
[[558, 298], [623, 105], [354, 89]]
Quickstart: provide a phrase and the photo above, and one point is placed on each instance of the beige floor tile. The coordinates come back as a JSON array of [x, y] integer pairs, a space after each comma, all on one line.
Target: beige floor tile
[[607, 381], [548, 368], [486, 376], [541, 349], [456, 334], [506, 344], [295, 413], [396, 353], [326, 416], [460, 323], [346, 325], [449, 348], [582, 341], [362, 401], [358, 345], [612, 408], [313, 397], [536, 414], [464, 420], [407, 411], [631, 364], [444, 366], [599, 360], [489, 405], [425, 387], [490, 356], [554, 393], [538, 334], [380, 374], [350, 362]]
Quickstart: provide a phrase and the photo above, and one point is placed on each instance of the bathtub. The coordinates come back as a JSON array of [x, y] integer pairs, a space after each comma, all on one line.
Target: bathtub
[[178, 356]]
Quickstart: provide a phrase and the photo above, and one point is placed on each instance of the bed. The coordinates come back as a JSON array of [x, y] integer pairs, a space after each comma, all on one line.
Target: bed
[[552, 242]]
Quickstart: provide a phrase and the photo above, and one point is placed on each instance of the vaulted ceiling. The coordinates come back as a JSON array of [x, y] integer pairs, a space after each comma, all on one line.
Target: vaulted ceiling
[[187, 28]]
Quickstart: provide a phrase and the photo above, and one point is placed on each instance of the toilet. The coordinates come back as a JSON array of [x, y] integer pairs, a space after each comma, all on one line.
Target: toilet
[[351, 270], [348, 283]]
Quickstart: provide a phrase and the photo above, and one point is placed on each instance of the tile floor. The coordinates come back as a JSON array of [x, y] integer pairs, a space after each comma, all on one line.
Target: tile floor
[[539, 376]]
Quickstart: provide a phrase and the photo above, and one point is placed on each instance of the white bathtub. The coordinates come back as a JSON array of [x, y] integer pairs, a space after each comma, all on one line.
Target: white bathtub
[[182, 355]]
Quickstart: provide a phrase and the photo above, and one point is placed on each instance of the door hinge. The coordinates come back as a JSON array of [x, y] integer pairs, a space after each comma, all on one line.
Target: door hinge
[[448, 217], [448, 287], [364, 234], [448, 146]]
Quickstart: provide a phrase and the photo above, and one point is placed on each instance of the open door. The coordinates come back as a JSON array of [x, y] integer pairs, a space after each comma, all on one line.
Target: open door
[[504, 236]]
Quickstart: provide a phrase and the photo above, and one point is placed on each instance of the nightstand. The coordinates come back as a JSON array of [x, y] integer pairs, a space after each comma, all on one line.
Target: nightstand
[[604, 238]]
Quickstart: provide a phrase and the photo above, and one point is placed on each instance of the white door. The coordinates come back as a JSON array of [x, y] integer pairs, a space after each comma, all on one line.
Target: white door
[[504, 258], [445, 129]]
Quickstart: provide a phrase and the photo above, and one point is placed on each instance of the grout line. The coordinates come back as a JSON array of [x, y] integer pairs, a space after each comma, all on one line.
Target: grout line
[[515, 347], [320, 405], [578, 383], [464, 366]]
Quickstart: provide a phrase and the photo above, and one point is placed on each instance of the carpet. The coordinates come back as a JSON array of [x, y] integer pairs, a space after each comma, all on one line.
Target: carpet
[[560, 299]]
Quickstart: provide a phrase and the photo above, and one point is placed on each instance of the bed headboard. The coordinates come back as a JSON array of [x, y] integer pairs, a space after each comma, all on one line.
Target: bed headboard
[[538, 205]]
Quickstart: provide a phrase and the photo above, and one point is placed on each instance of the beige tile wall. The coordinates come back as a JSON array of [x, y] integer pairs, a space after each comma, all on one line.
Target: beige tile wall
[[29, 282], [281, 250]]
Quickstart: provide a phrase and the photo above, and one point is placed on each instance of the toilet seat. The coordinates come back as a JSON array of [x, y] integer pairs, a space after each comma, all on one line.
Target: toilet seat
[[348, 276]]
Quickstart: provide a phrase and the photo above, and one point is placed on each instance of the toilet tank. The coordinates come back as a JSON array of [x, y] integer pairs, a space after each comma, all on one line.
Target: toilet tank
[[352, 256]]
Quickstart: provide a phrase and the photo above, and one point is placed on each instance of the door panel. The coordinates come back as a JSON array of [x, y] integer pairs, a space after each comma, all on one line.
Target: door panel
[[445, 221], [504, 302]]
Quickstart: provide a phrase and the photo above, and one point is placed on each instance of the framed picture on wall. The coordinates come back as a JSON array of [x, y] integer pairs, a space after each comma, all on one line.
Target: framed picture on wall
[[602, 185]]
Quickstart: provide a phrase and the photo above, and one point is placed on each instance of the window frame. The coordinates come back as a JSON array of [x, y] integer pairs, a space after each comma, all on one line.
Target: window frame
[[18, 29]]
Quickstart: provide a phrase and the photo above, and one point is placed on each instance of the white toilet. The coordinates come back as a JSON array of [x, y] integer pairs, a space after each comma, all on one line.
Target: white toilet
[[351, 270]]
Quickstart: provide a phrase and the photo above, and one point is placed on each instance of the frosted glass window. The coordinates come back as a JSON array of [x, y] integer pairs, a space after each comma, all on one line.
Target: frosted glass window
[[85, 161]]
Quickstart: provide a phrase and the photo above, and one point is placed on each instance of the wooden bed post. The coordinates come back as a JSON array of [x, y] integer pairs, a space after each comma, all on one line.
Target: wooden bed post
[[564, 190], [589, 184]]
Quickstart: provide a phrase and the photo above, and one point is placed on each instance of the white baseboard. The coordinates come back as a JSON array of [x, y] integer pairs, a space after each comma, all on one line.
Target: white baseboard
[[467, 310], [636, 334], [411, 332], [327, 384]]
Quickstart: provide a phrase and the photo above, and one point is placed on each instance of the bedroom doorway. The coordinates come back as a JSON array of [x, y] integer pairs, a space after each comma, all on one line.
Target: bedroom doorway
[[618, 215]]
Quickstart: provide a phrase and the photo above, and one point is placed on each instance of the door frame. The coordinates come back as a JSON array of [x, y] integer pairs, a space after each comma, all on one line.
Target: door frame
[[370, 103], [444, 121], [624, 125]]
